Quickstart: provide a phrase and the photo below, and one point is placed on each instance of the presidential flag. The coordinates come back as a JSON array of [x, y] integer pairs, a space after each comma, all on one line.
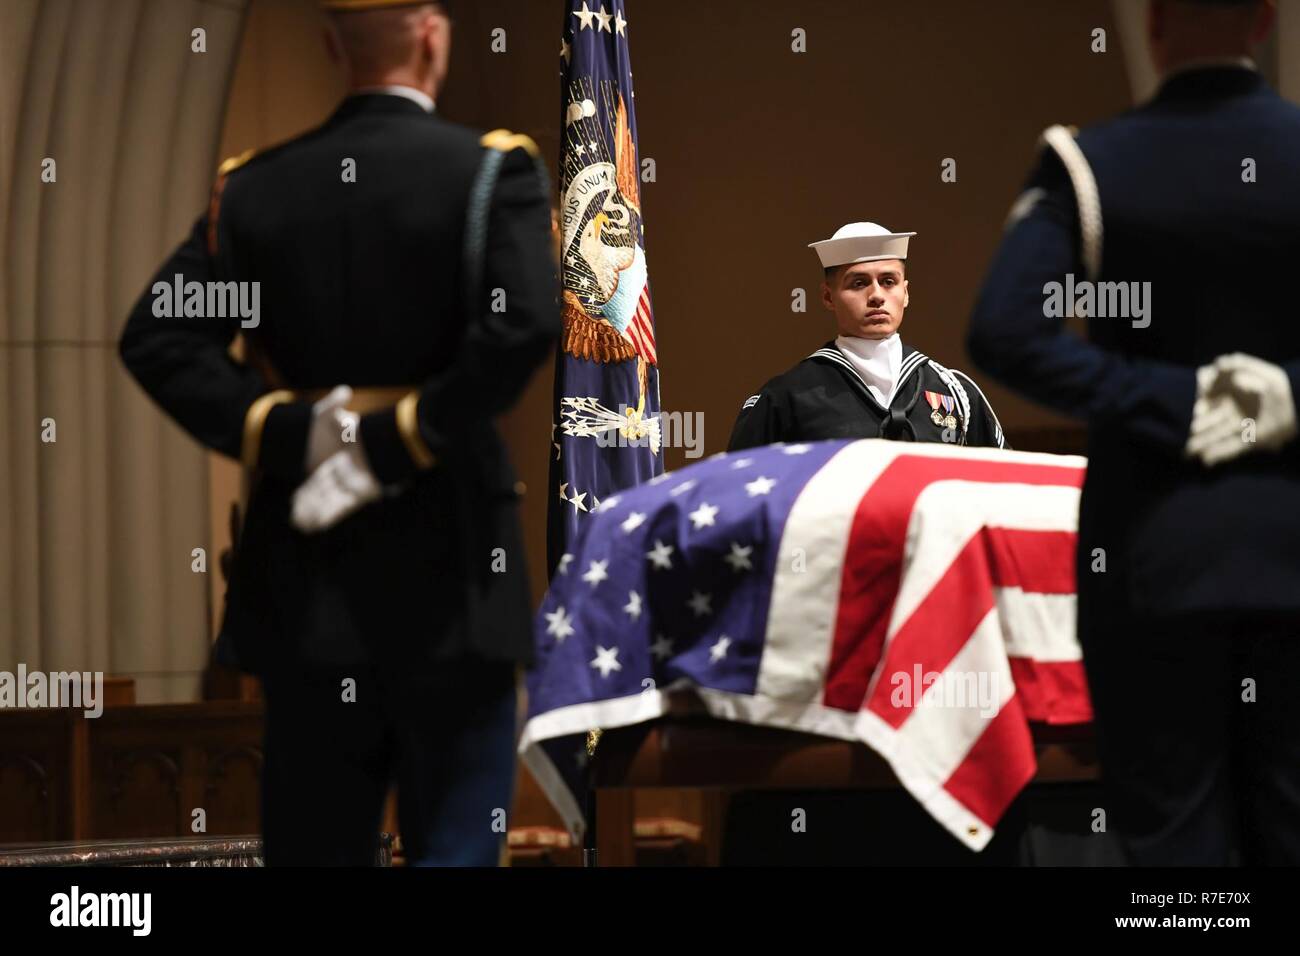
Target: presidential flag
[[606, 429], [918, 598]]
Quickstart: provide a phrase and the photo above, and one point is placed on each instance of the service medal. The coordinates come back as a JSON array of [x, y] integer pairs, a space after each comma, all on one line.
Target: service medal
[[934, 400]]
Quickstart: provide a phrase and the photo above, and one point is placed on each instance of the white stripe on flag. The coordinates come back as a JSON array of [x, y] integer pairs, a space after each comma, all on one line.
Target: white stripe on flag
[[806, 585], [946, 730], [934, 740], [948, 514], [1039, 626]]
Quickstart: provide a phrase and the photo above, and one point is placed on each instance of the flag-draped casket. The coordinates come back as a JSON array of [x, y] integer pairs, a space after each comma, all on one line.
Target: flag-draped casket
[[917, 598]]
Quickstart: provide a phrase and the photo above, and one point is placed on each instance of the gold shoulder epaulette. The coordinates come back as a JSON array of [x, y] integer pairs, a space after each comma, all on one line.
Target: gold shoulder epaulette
[[504, 140], [229, 165]]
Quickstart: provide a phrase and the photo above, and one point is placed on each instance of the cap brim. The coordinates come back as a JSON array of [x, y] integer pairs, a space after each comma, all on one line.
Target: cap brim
[[851, 249]]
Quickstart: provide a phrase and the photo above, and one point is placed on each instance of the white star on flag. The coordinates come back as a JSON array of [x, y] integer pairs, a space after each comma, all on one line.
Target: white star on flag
[[684, 487], [608, 504], [564, 491], [606, 660], [759, 486], [703, 516], [586, 15], [739, 557], [661, 555], [796, 449], [559, 624], [634, 521], [605, 17], [742, 463], [596, 573], [620, 25], [576, 501], [565, 50], [633, 605], [719, 650], [563, 566], [662, 648], [699, 603]]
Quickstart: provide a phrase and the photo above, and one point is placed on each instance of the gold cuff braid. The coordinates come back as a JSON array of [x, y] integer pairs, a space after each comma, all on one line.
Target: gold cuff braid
[[255, 421], [408, 425]]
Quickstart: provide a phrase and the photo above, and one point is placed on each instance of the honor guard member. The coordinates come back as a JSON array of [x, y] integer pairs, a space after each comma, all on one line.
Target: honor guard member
[[1189, 524], [867, 383], [379, 586]]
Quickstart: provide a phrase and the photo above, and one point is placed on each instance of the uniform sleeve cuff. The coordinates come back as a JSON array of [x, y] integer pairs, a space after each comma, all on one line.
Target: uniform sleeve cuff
[[393, 443], [275, 435]]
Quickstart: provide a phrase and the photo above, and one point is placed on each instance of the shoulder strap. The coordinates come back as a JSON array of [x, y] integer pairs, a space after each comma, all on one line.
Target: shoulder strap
[[1061, 140], [227, 167], [497, 143]]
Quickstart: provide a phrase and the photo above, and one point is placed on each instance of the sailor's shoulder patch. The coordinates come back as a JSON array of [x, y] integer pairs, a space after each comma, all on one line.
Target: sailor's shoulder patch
[[751, 401], [504, 141]]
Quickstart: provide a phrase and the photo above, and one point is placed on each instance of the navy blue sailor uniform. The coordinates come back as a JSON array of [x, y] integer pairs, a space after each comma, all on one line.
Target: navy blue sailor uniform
[[824, 397], [420, 598], [1188, 577]]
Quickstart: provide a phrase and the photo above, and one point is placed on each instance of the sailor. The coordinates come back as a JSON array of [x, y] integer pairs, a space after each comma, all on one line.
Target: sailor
[[866, 383]]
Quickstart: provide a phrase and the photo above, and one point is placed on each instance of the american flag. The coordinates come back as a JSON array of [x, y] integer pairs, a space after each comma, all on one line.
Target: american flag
[[605, 431], [918, 598]]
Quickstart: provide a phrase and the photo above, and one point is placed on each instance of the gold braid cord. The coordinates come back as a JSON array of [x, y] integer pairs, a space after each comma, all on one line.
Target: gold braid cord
[[592, 339]]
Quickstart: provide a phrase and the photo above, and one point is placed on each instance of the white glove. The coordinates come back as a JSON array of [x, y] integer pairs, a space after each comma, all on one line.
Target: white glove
[[344, 483], [329, 418], [1234, 390]]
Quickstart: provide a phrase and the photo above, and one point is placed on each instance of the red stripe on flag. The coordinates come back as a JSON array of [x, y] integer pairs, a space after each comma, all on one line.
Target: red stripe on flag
[[1041, 562], [1052, 692], [936, 631], [997, 767], [1038, 562], [873, 560]]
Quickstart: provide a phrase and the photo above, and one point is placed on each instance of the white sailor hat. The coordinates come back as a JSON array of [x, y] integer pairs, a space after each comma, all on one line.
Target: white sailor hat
[[861, 242]]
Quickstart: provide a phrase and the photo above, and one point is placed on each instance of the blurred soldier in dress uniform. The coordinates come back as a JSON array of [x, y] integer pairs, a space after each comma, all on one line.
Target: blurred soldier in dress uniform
[[1186, 209], [866, 383], [379, 587]]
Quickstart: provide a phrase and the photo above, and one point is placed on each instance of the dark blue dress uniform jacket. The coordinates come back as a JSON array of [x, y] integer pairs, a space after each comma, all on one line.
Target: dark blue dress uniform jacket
[[362, 283], [1221, 255]]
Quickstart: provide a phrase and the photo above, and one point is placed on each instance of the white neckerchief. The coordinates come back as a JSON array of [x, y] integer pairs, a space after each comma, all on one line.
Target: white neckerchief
[[878, 362], [423, 99], [1209, 62]]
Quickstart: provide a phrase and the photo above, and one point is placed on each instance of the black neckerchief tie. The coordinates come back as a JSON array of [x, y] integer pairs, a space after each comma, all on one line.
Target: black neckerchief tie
[[896, 426]]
